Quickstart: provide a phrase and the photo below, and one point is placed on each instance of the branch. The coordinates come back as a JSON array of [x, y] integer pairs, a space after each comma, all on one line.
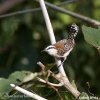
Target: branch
[[30, 94], [47, 21], [32, 10], [51, 33], [41, 65], [67, 85], [66, 2], [45, 81], [49, 83], [20, 12], [59, 9], [63, 79], [87, 19], [63, 82]]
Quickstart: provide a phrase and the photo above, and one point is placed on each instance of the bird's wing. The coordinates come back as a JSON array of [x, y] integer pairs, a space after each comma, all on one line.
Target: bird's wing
[[63, 46], [59, 44]]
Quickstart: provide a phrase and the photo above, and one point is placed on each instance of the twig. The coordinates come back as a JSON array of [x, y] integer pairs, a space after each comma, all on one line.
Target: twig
[[89, 89], [49, 83], [52, 85], [87, 19], [46, 81], [56, 91], [41, 65], [30, 94], [66, 2], [20, 12], [63, 82], [31, 10]]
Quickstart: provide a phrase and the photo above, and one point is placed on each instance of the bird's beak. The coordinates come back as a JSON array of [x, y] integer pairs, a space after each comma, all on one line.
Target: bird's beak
[[43, 50]]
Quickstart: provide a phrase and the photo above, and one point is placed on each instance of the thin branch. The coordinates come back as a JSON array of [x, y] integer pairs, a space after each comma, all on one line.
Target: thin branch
[[63, 79], [57, 92], [73, 14], [66, 2], [47, 21], [67, 85], [32, 10], [46, 81], [59, 9], [52, 85], [20, 12], [87, 19], [28, 93], [63, 82], [49, 83], [41, 65]]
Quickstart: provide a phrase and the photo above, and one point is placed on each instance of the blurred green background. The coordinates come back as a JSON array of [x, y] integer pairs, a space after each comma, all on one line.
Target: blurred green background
[[22, 37]]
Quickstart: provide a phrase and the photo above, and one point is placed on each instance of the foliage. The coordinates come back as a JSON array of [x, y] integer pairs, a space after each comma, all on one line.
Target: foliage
[[18, 78], [83, 96], [92, 36]]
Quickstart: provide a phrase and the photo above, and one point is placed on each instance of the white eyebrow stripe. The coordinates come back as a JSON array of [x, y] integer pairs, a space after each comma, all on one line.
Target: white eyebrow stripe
[[50, 47]]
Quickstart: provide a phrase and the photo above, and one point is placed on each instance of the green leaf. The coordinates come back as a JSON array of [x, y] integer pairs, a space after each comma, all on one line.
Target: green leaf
[[66, 95], [92, 35], [16, 77], [4, 87], [83, 96], [21, 76]]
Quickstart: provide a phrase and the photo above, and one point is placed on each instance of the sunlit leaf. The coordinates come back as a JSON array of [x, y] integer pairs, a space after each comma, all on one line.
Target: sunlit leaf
[[92, 35], [4, 87], [21, 76]]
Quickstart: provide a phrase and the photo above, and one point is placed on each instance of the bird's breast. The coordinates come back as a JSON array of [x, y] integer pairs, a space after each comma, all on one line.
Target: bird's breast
[[52, 52], [67, 53]]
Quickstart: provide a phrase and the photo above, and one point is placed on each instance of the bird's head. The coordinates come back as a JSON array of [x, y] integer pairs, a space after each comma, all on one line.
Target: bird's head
[[73, 30], [50, 50]]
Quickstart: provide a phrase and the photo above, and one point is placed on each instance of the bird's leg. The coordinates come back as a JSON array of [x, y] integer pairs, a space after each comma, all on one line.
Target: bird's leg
[[62, 60]]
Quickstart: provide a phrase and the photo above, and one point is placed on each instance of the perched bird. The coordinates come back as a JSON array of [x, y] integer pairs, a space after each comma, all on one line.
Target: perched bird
[[62, 48]]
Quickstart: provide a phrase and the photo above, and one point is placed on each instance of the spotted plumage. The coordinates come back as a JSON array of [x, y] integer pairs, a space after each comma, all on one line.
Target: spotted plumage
[[63, 46]]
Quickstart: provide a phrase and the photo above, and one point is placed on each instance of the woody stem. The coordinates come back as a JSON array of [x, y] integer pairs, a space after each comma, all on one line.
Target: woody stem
[[51, 33]]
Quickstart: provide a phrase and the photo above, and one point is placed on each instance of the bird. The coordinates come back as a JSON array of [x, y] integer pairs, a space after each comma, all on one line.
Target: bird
[[61, 49]]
